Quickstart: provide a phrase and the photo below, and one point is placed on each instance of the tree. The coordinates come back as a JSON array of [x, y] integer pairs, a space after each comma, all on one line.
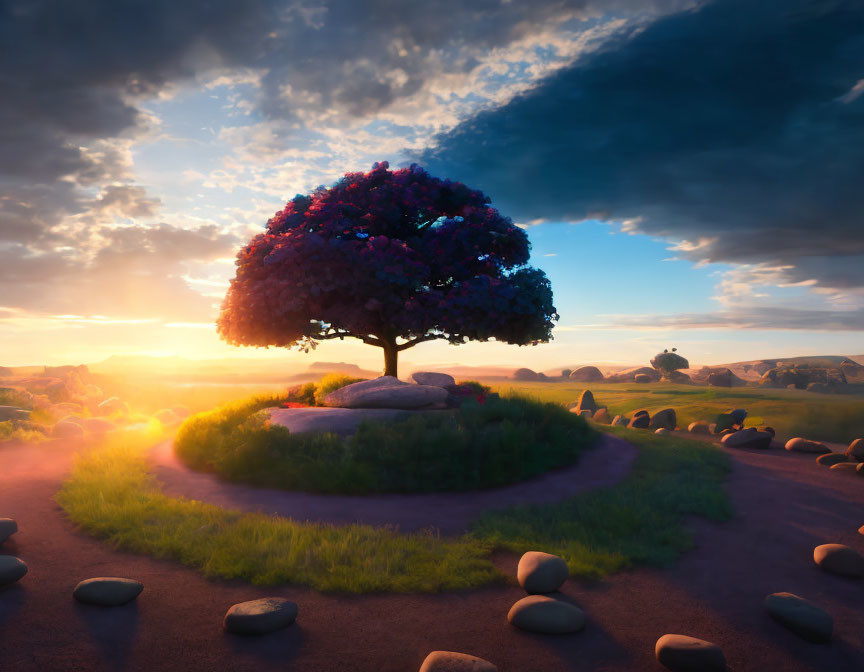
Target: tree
[[393, 258], [668, 362]]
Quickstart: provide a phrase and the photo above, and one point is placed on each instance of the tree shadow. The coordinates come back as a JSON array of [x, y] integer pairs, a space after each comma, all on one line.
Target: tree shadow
[[12, 598]]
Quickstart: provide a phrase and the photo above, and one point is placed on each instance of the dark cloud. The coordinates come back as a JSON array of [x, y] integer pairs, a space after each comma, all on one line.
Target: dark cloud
[[737, 124]]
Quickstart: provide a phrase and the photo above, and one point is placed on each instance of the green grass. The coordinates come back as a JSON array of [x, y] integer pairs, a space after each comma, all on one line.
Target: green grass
[[791, 413], [111, 495], [638, 522], [478, 446]]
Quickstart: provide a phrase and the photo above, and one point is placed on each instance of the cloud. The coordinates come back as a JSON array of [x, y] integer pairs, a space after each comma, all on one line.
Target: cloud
[[733, 129]]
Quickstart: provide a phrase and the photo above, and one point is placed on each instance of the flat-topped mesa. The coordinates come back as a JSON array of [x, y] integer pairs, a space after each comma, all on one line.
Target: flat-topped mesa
[[386, 392]]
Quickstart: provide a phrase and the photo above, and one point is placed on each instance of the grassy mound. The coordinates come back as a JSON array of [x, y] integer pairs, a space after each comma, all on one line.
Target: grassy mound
[[477, 446]]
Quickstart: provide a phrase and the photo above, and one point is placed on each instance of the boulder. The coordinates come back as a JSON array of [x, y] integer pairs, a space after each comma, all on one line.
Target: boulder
[[768, 429], [662, 430], [546, 615], [8, 527], [839, 559], [432, 378], [586, 374], [601, 415], [859, 469], [681, 653], [739, 415], [724, 421], [112, 406], [846, 466], [806, 446], [665, 418], [385, 392], [830, 459], [13, 413], [259, 617], [526, 375], [540, 572], [450, 661], [698, 427], [107, 591], [800, 616], [66, 429], [11, 569], [747, 438], [640, 420], [342, 421], [586, 402], [855, 451], [620, 421], [585, 413], [642, 378], [678, 377], [629, 375]]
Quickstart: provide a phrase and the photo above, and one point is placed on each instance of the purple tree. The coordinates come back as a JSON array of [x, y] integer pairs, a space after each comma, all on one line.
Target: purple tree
[[393, 259]]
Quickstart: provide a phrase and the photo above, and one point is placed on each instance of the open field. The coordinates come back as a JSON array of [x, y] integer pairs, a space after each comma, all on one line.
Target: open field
[[825, 417]]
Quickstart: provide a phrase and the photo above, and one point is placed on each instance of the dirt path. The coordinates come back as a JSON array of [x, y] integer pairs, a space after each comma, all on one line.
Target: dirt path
[[602, 465], [786, 504]]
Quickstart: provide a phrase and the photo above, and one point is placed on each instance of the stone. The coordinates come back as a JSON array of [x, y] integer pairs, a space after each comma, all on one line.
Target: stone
[[738, 415], [620, 421], [342, 421], [855, 451], [13, 413], [385, 392], [642, 378], [839, 559], [12, 569], [698, 427], [845, 465], [830, 459], [450, 661], [259, 617], [166, 416], [586, 402], [768, 429], [860, 469], [585, 413], [8, 527], [111, 406], [432, 378], [546, 615], [107, 591], [681, 653], [665, 418], [586, 374], [540, 572], [806, 446], [662, 430], [724, 421], [98, 425], [800, 616], [724, 378], [526, 375], [66, 429], [678, 377], [640, 420], [747, 438], [601, 415], [629, 375]]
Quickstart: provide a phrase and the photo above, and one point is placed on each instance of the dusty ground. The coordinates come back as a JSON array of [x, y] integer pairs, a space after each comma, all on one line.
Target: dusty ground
[[785, 503]]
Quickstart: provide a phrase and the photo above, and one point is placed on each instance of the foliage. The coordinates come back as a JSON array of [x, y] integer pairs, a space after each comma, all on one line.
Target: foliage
[[476, 446], [111, 495], [477, 388], [304, 394], [386, 255], [636, 522], [332, 382], [21, 432], [13, 397]]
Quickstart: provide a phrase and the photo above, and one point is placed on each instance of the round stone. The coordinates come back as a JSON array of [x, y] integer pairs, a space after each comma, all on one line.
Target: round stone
[[839, 559], [806, 446], [107, 591], [860, 469], [855, 451], [800, 616], [830, 459], [681, 653], [259, 617], [540, 572], [8, 527], [11, 569], [844, 466], [662, 430], [450, 661], [698, 427], [546, 615]]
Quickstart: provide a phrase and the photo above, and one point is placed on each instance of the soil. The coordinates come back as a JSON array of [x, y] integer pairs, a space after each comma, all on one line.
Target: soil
[[785, 505]]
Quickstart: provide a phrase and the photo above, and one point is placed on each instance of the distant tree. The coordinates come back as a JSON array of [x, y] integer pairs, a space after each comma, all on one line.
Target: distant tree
[[565, 373], [668, 362], [392, 258]]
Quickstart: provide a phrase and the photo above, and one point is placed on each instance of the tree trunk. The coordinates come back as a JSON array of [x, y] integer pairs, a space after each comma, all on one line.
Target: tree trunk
[[391, 355]]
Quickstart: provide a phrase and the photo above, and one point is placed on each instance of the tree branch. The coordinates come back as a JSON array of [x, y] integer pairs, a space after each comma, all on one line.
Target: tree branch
[[369, 340], [419, 339]]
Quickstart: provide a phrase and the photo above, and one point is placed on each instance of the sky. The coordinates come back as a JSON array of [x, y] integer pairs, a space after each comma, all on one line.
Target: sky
[[688, 172]]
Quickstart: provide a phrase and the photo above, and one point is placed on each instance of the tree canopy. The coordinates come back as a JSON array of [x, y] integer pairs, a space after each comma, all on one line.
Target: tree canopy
[[393, 258]]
